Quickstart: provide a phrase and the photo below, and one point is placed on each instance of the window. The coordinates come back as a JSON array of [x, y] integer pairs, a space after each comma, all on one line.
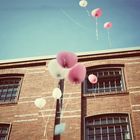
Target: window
[[110, 80], [108, 127], [4, 131], [9, 89]]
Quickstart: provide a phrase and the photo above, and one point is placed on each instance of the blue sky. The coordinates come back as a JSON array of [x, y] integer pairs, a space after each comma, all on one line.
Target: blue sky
[[30, 28]]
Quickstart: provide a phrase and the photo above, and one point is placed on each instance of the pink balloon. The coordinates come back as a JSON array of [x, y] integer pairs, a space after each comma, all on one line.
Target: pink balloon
[[77, 73], [66, 59], [92, 78], [107, 25], [96, 12]]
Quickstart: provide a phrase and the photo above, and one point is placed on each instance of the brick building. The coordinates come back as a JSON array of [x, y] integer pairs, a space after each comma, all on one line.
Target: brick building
[[107, 110]]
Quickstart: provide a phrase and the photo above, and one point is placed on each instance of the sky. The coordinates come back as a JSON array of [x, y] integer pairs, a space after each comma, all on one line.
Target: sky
[[30, 28]]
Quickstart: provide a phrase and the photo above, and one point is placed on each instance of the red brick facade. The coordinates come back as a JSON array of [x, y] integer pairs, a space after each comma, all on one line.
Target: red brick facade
[[26, 119]]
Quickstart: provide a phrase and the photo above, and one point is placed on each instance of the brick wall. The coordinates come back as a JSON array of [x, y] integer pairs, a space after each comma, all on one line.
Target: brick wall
[[27, 121]]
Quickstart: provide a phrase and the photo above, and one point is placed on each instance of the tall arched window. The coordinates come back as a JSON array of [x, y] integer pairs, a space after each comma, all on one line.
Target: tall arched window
[[110, 80], [108, 127]]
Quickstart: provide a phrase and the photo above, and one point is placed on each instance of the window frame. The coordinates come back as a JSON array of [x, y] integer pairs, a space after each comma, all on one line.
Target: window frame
[[104, 67], [129, 123], [14, 76], [9, 129]]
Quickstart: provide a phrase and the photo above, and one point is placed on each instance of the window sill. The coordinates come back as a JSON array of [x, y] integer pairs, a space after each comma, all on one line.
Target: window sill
[[105, 94], [8, 103]]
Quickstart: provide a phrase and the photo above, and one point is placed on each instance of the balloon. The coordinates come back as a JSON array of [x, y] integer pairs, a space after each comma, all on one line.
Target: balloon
[[92, 78], [77, 73], [59, 128], [57, 93], [107, 25], [40, 102], [83, 3], [66, 59], [56, 70], [96, 12]]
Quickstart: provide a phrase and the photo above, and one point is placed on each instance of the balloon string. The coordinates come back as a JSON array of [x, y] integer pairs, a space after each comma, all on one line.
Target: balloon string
[[44, 121], [87, 11], [43, 116], [109, 40], [97, 35], [62, 111], [45, 130]]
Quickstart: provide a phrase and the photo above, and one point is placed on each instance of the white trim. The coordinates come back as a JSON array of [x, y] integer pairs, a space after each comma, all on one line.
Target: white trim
[[26, 115], [131, 63], [28, 120], [134, 87], [78, 53], [135, 110], [74, 116], [135, 105], [52, 115]]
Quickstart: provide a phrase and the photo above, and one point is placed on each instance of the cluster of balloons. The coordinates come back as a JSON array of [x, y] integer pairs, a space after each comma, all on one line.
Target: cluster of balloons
[[96, 13], [66, 66]]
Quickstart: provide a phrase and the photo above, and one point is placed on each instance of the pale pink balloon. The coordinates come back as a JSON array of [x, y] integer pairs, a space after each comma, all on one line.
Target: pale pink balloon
[[107, 25], [92, 78], [96, 12], [66, 59], [77, 73]]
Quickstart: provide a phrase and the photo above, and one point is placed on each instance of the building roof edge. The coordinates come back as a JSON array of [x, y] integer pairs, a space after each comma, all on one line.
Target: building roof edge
[[78, 53]]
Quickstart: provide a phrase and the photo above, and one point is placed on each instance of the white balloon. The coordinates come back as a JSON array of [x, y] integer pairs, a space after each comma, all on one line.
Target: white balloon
[[83, 3], [40, 102], [56, 70], [57, 93]]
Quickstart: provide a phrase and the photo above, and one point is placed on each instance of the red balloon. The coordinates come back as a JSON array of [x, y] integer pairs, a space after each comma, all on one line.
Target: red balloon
[[96, 12], [66, 59], [77, 73], [107, 25], [92, 78]]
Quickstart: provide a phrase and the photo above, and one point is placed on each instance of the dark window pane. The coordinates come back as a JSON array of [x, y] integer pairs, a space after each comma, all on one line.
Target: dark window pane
[[110, 120], [91, 131], [111, 137], [97, 130], [96, 122], [104, 130], [116, 120], [111, 129], [117, 129], [103, 120], [105, 73], [111, 73], [123, 120], [100, 73], [118, 136], [91, 138], [98, 137], [104, 137], [124, 128]]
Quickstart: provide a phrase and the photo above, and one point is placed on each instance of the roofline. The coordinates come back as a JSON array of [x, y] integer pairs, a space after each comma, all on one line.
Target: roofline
[[99, 52]]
